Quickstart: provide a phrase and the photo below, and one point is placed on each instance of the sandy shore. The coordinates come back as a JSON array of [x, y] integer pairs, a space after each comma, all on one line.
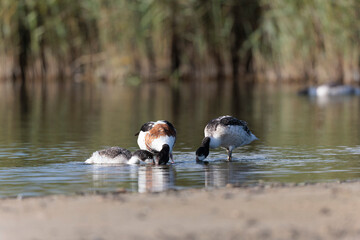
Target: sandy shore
[[321, 211]]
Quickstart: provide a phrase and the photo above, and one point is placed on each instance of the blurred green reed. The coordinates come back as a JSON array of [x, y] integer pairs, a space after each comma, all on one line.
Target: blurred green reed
[[275, 40]]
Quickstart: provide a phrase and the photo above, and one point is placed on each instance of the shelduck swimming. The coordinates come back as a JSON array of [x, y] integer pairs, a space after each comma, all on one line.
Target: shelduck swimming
[[332, 89], [227, 132], [118, 155], [159, 138]]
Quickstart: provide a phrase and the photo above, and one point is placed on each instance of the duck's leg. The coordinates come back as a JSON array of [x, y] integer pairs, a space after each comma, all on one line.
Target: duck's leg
[[229, 155], [229, 152], [171, 158]]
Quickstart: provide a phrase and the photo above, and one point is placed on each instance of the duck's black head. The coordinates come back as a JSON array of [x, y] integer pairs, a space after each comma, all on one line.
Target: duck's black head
[[144, 155], [164, 154], [203, 151]]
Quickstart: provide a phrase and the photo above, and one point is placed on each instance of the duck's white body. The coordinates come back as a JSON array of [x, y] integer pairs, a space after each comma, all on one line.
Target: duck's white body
[[154, 135], [96, 158], [229, 136], [117, 155], [227, 132], [156, 144]]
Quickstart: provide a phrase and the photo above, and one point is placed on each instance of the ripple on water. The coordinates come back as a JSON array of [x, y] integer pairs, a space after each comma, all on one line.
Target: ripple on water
[[58, 170]]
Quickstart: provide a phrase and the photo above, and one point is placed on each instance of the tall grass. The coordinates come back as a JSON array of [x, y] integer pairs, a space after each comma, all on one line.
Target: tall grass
[[315, 40], [310, 39]]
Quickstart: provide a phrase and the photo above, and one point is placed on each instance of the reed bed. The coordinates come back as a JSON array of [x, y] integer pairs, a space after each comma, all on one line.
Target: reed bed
[[115, 40]]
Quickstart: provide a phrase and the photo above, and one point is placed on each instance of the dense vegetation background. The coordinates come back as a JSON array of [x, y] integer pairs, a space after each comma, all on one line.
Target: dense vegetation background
[[273, 40]]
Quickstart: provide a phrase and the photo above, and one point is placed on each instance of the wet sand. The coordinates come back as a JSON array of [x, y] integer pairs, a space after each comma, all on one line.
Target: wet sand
[[320, 211]]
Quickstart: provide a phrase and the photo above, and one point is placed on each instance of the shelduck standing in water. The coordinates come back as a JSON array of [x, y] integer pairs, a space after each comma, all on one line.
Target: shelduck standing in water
[[118, 155], [227, 132], [159, 138]]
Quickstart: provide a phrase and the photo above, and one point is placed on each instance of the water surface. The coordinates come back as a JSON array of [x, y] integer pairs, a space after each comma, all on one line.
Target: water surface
[[47, 132]]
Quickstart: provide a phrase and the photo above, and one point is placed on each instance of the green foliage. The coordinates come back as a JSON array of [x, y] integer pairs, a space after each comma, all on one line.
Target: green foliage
[[200, 35], [313, 31]]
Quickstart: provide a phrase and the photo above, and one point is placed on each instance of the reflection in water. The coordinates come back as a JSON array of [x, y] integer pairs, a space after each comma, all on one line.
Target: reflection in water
[[57, 125], [143, 178], [24, 102], [156, 178], [228, 172], [100, 174], [325, 101]]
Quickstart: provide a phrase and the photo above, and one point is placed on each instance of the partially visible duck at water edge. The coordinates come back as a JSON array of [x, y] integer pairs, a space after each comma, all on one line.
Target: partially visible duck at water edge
[[118, 155], [331, 89]]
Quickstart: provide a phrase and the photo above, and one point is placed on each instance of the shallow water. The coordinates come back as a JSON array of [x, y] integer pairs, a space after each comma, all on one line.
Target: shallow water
[[46, 133]]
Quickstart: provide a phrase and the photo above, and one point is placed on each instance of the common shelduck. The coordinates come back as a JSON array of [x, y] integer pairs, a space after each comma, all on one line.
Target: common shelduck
[[332, 89], [227, 132], [159, 138], [118, 155]]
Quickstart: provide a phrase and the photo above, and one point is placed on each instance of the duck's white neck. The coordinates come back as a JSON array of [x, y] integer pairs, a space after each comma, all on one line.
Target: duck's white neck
[[214, 142]]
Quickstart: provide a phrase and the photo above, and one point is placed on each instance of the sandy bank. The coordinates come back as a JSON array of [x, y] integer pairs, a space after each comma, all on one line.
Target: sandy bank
[[321, 211]]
